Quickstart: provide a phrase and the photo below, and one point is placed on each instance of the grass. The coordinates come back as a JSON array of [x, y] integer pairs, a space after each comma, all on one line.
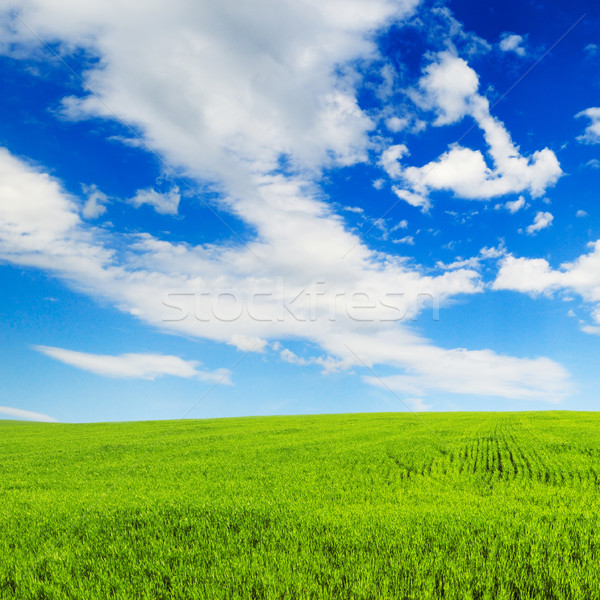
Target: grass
[[463, 505]]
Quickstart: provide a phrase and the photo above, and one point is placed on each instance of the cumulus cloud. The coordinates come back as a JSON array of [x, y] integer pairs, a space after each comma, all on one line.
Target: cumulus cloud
[[591, 135], [95, 204], [26, 415], [134, 366], [513, 206], [449, 87], [542, 220], [531, 275], [40, 224], [446, 87], [390, 157], [535, 276], [396, 124], [416, 200], [164, 203], [511, 42], [494, 252]]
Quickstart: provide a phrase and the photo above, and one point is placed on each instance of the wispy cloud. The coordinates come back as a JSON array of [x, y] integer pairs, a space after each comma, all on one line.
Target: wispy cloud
[[134, 366], [26, 415], [164, 203], [95, 205], [591, 135], [542, 220], [513, 206], [512, 42]]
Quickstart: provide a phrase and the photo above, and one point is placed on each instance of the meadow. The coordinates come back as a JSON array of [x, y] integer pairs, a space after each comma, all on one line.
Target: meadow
[[398, 506]]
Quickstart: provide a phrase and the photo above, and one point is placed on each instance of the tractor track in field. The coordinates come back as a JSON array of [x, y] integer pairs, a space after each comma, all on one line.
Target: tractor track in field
[[507, 452]]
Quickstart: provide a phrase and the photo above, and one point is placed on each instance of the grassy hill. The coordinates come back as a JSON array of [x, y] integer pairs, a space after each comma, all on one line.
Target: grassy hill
[[462, 505]]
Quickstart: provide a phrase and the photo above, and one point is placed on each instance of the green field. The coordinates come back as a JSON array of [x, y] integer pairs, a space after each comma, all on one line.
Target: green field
[[462, 505]]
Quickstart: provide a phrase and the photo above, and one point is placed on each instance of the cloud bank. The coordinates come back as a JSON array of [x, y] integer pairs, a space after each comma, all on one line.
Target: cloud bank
[[225, 93]]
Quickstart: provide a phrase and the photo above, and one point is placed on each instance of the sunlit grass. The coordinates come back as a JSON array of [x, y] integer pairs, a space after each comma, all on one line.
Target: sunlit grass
[[465, 505]]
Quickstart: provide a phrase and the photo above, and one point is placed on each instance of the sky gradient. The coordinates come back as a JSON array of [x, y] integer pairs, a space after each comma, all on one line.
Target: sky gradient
[[220, 209]]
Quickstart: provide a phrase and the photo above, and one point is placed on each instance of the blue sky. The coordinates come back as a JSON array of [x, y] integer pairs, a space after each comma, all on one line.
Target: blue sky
[[220, 209]]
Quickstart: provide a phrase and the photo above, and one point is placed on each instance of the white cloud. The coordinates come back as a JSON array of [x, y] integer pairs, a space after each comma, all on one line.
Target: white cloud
[[580, 214], [511, 42], [513, 206], [481, 372], [354, 209], [396, 124], [590, 329], [591, 135], [593, 163], [444, 30], [592, 50], [95, 205], [164, 203], [27, 415], [416, 200], [542, 220], [289, 357], [223, 93], [449, 86], [247, 343], [40, 225], [495, 252], [328, 363], [224, 86], [134, 366], [417, 404], [298, 251], [390, 157], [307, 249], [531, 275], [473, 262], [536, 276], [407, 239], [382, 225], [469, 263]]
